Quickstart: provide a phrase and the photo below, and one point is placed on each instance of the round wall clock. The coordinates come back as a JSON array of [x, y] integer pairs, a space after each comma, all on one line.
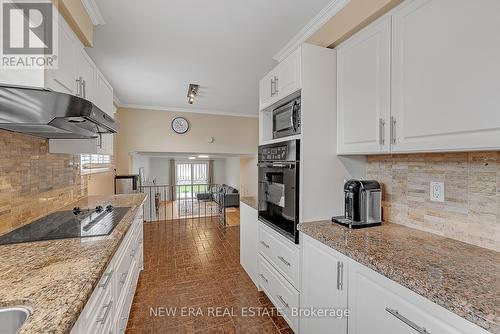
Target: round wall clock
[[180, 125]]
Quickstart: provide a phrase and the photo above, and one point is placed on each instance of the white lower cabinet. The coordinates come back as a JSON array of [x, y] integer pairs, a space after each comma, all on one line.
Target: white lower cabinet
[[376, 304], [249, 235], [323, 289], [278, 273], [283, 254], [281, 293], [108, 307], [380, 305]]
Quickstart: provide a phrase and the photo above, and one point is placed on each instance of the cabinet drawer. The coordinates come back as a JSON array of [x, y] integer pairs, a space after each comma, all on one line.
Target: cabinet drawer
[[126, 304], [124, 263], [280, 292], [379, 305], [96, 300], [102, 316], [281, 253]]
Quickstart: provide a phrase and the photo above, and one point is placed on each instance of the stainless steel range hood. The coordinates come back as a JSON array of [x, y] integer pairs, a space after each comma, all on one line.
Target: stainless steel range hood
[[49, 114]]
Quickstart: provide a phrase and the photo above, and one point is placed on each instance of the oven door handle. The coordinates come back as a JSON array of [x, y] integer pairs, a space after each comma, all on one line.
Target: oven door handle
[[276, 164], [293, 117]]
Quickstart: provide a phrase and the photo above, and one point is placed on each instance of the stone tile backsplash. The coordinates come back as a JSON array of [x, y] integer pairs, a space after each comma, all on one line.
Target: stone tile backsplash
[[471, 210], [33, 182]]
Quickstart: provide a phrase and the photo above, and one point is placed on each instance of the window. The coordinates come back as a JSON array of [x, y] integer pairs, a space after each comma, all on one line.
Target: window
[[95, 163], [191, 178]]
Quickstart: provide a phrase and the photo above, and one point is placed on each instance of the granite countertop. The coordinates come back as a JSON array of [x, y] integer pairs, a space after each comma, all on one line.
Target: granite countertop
[[251, 201], [462, 278], [56, 278]]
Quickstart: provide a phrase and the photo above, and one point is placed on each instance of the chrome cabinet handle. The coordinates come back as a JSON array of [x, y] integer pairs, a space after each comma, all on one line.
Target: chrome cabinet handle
[[264, 278], [276, 91], [107, 308], [282, 259], [264, 244], [132, 253], [84, 90], [381, 131], [78, 86], [285, 304], [108, 279], [393, 130], [124, 325], [410, 323], [340, 275], [272, 87]]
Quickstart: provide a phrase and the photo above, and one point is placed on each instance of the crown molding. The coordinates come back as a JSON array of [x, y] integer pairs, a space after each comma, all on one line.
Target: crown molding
[[332, 8], [93, 11], [185, 110]]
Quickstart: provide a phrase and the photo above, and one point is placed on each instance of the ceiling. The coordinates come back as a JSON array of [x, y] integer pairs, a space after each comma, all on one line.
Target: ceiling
[[151, 50]]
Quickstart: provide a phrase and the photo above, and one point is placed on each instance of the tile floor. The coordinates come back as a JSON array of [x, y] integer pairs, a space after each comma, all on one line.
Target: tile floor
[[195, 264]]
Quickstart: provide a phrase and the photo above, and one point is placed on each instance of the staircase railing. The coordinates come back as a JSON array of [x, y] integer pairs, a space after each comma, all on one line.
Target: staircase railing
[[169, 202]]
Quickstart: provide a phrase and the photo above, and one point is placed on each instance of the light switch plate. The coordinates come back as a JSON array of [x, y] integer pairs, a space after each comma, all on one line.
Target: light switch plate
[[437, 191]]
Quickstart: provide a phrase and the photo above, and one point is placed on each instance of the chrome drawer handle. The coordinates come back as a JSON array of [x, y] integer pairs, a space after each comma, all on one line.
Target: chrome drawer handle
[[264, 244], [107, 307], [123, 277], [124, 325], [104, 284], [282, 259], [264, 278], [410, 323], [285, 304]]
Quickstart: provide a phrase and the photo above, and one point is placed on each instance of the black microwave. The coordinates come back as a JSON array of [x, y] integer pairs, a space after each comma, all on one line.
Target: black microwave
[[286, 119]]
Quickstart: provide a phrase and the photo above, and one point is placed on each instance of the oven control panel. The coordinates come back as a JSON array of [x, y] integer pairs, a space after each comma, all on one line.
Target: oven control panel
[[274, 153]]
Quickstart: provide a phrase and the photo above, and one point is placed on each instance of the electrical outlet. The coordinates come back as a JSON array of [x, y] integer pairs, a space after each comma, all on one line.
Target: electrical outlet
[[437, 191]]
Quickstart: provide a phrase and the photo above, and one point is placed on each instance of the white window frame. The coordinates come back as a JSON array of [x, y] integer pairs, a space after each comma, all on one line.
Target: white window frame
[[95, 163]]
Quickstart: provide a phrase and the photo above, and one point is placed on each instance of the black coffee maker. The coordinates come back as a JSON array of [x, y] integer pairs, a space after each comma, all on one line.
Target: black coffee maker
[[362, 204]]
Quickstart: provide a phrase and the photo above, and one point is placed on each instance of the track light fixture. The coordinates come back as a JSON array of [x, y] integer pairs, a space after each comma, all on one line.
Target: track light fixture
[[192, 92]]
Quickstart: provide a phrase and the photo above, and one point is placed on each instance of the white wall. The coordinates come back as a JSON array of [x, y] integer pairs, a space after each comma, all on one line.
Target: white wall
[[248, 176], [233, 172], [150, 131], [139, 161], [159, 169]]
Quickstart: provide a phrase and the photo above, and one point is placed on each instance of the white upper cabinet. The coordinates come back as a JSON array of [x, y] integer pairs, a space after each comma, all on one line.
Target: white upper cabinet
[[86, 82], [63, 79], [323, 287], [363, 96], [436, 90], [445, 75], [282, 81], [103, 94]]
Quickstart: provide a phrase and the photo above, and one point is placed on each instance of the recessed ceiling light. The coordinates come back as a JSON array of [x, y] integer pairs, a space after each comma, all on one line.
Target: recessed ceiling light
[[192, 158], [203, 156]]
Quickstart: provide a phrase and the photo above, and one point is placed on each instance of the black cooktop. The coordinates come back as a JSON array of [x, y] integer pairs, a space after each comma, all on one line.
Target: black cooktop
[[77, 223]]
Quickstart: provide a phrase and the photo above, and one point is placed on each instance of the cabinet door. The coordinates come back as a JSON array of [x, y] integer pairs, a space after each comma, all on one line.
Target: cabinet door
[[87, 71], [249, 235], [363, 90], [63, 79], [323, 288], [288, 74], [266, 90], [445, 75], [104, 94]]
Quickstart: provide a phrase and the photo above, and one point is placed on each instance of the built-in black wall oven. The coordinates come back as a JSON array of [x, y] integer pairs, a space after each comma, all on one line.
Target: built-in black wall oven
[[279, 165]]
